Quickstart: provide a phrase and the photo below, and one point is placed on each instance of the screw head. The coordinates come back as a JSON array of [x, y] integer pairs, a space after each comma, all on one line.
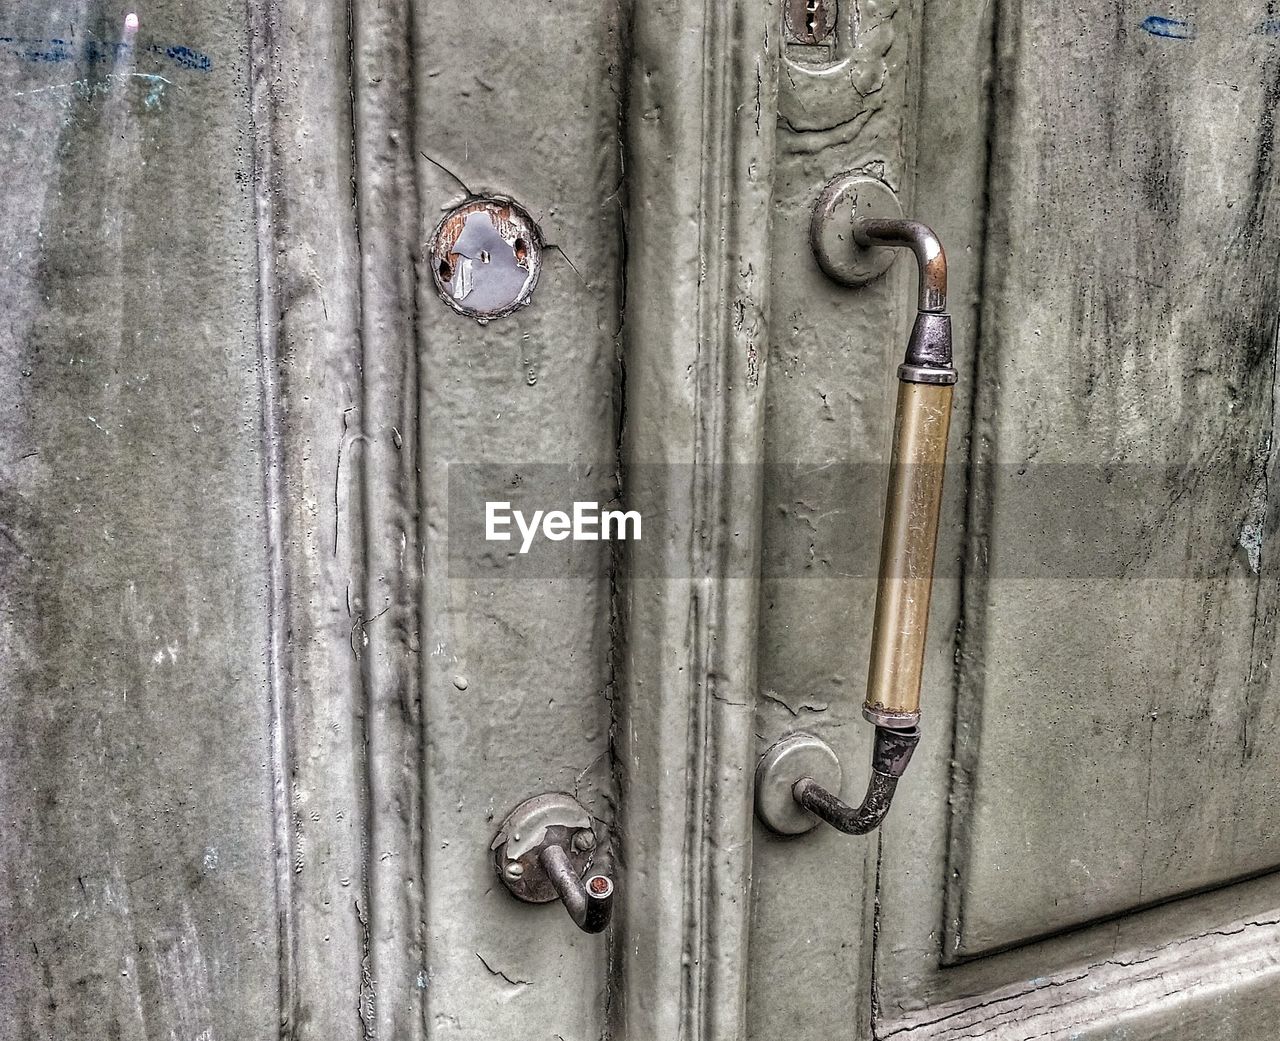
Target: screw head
[[584, 841], [515, 869]]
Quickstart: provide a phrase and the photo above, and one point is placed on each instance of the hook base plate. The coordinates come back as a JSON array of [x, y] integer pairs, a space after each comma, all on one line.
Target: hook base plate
[[553, 819], [785, 762]]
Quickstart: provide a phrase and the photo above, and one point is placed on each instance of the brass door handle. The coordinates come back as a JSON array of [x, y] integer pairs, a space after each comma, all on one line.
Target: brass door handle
[[795, 780], [547, 848]]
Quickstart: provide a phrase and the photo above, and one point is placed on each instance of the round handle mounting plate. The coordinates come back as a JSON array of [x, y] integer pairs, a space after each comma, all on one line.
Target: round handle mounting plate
[[554, 819], [846, 198], [785, 762]]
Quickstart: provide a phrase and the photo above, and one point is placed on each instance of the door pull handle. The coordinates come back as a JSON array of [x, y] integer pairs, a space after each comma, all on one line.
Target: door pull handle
[[798, 778], [547, 848]]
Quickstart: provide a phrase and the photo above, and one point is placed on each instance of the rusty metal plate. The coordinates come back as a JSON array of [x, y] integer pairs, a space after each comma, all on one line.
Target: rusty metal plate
[[485, 257]]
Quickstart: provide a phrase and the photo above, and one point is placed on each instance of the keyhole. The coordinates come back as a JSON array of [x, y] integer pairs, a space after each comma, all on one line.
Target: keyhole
[[811, 18]]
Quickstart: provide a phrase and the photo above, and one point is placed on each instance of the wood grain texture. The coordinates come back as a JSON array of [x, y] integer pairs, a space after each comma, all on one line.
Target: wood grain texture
[[1217, 984]]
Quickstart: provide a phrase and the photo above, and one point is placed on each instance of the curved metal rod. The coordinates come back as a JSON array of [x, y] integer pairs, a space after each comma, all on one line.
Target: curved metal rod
[[920, 239], [889, 759], [589, 901]]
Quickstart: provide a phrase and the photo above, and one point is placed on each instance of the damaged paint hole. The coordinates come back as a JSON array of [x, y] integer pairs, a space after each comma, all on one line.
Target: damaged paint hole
[[485, 258]]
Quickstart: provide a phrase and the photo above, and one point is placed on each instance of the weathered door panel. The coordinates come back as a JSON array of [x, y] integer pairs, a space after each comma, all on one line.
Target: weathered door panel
[[1116, 621], [1135, 364], [138, 884]]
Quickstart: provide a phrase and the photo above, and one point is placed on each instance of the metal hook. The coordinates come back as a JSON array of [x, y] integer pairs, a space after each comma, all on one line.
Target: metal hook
[[590, 901]]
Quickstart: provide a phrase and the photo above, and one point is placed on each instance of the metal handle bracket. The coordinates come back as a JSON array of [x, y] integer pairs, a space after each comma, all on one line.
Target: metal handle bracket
[[547, 849], [856, 221]]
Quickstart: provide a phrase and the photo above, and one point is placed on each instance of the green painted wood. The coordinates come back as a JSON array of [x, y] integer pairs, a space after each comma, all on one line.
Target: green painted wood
[[137, 879], [1145, 338], [1111, 224]]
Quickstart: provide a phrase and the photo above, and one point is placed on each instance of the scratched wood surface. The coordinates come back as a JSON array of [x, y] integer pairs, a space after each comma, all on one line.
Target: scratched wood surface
[[137, 882]]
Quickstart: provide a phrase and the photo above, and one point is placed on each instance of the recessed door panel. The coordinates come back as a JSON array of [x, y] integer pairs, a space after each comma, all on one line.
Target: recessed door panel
[[1115, 685]]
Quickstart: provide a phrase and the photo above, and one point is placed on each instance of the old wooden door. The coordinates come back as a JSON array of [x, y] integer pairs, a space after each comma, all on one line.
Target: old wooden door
[[267, 694]]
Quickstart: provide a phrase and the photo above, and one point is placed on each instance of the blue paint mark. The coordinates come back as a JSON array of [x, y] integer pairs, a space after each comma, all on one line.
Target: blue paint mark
[[96, 52], [1172, 28], [54, 55], [189, 59]]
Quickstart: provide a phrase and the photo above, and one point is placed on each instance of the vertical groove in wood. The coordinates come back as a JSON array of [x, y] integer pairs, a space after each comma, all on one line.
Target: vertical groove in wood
[[310, 324], [950, 173], [263, 66], [383, 85], [700, 160], [979, 292]]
